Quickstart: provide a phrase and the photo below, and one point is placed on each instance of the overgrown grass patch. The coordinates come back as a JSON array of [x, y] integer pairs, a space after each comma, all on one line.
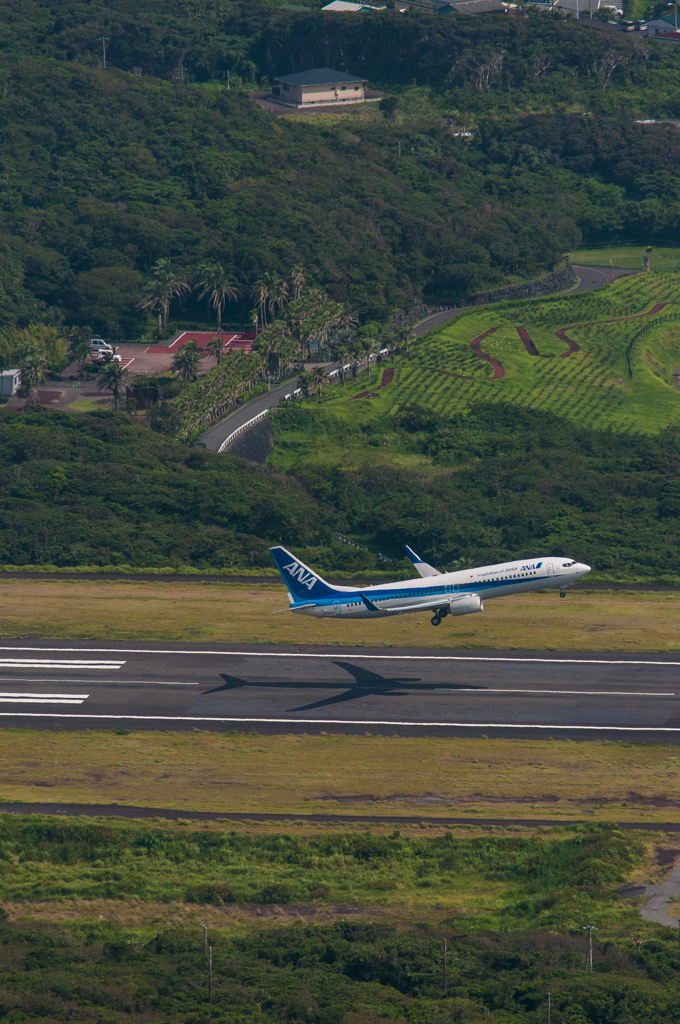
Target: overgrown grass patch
[[516, 880]]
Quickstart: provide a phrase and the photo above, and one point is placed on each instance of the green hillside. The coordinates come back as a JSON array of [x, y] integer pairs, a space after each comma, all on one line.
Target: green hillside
[[574, 454], [102, 172], [622, 375]]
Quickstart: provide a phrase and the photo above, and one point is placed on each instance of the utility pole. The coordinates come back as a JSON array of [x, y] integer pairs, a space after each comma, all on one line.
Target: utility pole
[[210, 974], [590, 928], [179, 74], [228, 85], [104, 40], [205, 939], [549, 1007], [611, 264], [444, 966], [399, 147]]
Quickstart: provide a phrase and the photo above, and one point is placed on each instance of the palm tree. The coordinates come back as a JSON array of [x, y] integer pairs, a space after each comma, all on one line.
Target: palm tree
[[81, 353], [186, 361], [341, 354], [193, 438], [296, 281], [162, 285], [32, 366], [318, 380], [261, 294], [111, 378], [360, 349], [279, 293], [216, 349], [216, 286]]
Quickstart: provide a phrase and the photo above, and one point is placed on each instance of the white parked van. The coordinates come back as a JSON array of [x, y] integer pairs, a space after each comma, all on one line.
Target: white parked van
[[99, 345]]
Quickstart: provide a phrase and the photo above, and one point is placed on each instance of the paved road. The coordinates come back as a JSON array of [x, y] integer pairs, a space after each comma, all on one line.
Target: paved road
[[57, 684], [662, 896], [216, 435], [589, 278]]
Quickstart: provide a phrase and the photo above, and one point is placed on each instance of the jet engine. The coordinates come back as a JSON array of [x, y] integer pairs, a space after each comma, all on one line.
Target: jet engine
[[466, 604]]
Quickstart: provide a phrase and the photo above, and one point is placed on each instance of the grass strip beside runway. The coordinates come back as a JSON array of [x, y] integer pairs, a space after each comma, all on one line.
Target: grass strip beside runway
[[297, 774], [242, 613]]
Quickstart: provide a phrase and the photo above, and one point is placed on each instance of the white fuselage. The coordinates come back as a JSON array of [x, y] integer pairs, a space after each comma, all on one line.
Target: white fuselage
[[449, 590]]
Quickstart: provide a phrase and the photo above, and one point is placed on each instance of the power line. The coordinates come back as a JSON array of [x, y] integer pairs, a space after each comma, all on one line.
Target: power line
[[104, 40], [590, 928]]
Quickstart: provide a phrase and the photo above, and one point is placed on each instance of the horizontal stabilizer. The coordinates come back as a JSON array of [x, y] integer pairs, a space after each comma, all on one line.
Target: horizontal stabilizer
[[422, 568]]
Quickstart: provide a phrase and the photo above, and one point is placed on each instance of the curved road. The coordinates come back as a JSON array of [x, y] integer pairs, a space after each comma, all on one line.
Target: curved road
[[589, 278], [663, 895]]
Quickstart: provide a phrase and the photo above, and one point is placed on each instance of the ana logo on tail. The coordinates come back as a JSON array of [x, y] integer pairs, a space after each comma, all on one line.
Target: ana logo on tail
[[294, 569]]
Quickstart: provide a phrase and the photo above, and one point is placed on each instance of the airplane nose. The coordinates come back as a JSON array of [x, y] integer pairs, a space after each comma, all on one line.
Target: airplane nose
[[583, 568]]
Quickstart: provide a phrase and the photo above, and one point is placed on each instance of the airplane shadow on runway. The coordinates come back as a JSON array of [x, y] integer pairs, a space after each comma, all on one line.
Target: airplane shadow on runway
[[366, 684]]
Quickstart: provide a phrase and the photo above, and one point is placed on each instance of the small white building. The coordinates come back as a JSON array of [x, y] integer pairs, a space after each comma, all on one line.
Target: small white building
[[349, 7], [318, 87], [10, 382]]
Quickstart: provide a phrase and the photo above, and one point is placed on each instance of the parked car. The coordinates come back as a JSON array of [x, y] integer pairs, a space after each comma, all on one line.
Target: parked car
[[106, 355], [99, 345]]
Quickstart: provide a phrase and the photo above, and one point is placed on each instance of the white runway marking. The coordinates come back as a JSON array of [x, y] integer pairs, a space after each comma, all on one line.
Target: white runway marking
[[354, 656], [97, 682], [341, 721], [42, 698], [56, 662], [571, 693]]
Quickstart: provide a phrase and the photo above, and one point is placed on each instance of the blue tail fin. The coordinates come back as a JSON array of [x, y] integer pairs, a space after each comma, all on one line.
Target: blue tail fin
[[302, 583]]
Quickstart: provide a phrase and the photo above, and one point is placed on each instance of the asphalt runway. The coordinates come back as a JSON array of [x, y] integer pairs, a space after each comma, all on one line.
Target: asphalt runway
[[270, 689]]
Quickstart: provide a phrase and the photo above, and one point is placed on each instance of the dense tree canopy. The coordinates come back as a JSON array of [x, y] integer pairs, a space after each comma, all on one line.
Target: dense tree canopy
[[104, 172]]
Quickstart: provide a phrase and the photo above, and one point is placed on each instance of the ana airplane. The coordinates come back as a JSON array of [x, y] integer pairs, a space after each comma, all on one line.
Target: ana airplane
[[445, 593]]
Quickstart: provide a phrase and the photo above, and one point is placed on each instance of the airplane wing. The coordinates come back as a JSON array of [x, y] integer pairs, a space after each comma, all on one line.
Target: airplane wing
[[432, 604], [422, 568]]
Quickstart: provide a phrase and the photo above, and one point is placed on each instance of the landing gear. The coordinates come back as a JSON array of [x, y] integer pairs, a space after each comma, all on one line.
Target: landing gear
[[562, 594], [435, 620]]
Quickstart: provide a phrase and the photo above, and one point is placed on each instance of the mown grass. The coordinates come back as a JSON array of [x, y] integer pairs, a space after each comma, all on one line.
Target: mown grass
[[243, 613], [454, 777], [631, 257]]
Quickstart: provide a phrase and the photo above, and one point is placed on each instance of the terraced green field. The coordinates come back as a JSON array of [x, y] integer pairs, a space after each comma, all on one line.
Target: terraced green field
[[620, 376]]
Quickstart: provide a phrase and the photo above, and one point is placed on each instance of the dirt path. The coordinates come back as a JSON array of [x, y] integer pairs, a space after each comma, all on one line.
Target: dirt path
[[122, 811], [498, 370], [386, 380], [527, 341], [575, 347]]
